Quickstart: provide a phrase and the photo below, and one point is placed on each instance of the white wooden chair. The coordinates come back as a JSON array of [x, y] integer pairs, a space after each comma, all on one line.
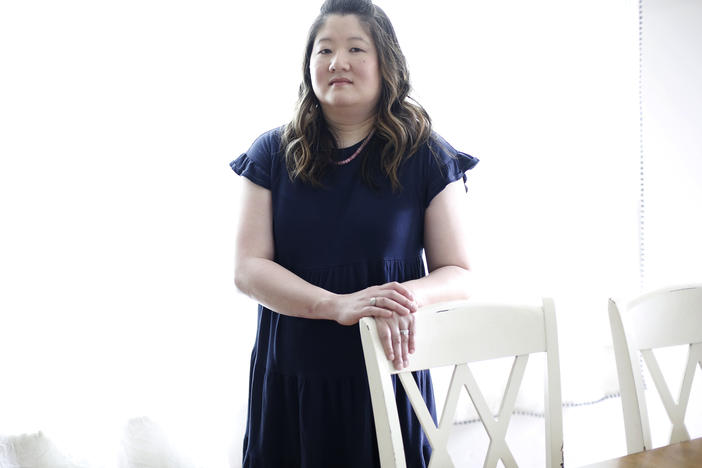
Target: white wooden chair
[[659, 319], [455, 334]]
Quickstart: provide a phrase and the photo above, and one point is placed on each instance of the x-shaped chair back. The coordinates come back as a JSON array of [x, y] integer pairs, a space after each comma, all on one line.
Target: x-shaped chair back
[[456, 334], [659, 319]]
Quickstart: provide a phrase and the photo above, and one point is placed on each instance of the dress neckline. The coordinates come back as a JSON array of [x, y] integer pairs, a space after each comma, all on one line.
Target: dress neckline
[[340, 154]]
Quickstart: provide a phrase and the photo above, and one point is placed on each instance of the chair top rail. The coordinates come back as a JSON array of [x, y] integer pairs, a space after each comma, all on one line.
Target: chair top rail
[[443, 336], [666, 317]]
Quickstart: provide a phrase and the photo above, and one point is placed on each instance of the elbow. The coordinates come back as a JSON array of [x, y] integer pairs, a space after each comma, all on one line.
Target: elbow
[[238, 281], [465, 281], [240, 276], [250, 271]]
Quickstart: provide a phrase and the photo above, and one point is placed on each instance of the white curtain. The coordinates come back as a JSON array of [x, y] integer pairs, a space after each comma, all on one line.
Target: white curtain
[[122, 338], [672, 141], [671, 176]]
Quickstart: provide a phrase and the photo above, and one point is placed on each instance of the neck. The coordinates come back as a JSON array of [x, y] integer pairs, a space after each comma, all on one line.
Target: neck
[[348, 133]]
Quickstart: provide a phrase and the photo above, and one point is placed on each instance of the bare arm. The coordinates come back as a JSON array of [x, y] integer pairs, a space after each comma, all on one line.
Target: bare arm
[[445, 233], [258, 276]]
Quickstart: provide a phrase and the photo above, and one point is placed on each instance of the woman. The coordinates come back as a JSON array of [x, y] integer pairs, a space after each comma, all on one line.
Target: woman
[[337, 208]]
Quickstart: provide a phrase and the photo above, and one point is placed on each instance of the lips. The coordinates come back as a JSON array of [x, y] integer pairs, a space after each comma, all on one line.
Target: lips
[[339, 81]]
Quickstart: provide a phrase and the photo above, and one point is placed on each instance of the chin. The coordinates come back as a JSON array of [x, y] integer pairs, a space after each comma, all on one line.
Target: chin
[[345, 104]]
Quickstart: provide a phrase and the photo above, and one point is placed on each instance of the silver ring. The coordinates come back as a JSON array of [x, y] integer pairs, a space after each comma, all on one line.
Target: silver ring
[[372, 301], [404, 332]]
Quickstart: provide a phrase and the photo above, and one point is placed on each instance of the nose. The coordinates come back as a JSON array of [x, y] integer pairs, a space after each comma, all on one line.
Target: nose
[[339, 61]]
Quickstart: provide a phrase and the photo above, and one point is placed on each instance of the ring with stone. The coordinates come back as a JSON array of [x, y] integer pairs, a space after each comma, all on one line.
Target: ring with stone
[[372, 301], [404, 332]]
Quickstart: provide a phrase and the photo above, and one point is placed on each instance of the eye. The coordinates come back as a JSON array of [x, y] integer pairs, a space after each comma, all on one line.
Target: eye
[[356, 49], [324, 52]]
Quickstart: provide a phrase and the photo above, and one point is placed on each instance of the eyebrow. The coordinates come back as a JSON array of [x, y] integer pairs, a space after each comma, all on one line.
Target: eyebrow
[[353, 38]]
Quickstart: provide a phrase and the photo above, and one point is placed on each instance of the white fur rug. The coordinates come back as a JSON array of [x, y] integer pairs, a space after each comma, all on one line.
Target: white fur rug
[[143, 445], [31, 450]]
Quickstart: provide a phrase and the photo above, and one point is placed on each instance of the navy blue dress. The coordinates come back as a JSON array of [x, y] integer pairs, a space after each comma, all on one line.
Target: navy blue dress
[[309, 403]]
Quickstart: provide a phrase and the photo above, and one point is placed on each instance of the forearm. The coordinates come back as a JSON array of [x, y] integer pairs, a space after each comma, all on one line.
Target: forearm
[[280, 290], [448, 283]]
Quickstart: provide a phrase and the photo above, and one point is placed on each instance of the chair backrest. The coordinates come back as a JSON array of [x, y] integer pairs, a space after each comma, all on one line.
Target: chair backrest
[[458, 333], [659, 319]]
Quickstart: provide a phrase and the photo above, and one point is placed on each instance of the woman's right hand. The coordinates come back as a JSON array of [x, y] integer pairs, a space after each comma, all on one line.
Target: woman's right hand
[[376, 301]]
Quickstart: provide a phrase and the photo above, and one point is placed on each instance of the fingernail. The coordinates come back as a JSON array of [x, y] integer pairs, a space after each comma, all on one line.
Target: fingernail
[[406, 363]]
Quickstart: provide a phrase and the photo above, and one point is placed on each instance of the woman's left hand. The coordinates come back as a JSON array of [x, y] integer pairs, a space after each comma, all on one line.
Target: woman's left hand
[[397, 336]]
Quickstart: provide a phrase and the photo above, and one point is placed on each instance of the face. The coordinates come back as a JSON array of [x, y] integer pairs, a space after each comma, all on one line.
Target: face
[[344, 66]]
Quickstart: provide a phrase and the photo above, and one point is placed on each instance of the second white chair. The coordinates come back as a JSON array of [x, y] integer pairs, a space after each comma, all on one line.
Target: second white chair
[[659, 319]]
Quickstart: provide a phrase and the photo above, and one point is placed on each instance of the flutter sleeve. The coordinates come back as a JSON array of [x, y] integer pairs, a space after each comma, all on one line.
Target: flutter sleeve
[[445, 165], [256, 163]]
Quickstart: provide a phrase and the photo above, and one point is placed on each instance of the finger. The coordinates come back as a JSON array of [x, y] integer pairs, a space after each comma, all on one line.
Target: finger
[[391, 305], [385, 339], [412, 332], [397, 349], [379, 312], [400, 288], [404, 336], [408, 304]]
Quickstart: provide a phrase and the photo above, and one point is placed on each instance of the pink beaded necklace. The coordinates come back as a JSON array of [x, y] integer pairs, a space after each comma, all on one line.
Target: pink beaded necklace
[[356, 153]]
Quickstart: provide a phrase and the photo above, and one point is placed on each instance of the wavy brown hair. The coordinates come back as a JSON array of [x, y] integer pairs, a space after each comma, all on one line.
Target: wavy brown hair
[[402, 125]]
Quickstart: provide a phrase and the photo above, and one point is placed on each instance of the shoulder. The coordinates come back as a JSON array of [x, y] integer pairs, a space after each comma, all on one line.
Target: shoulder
[[441, 164], [443, 153], [437, 154], [258, 163], [266, 147], [268, 141]]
